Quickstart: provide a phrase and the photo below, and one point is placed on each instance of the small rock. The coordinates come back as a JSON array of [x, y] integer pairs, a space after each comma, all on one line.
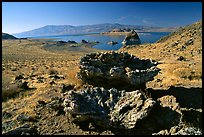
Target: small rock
[[162, 132], [113, 42], [181, 58], [91, 127], [6, 115], [189, 131], [169, 101], [67, 87], [19, 77], [22, 130], [52, 83], [84, 41], [23, 117], [41, 102]]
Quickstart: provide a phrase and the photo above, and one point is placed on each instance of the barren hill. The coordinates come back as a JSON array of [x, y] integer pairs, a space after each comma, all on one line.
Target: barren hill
[[8, 36], [180, 54]]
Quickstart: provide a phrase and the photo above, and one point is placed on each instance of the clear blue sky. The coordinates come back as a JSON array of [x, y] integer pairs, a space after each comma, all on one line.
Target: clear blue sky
[[24, 16]]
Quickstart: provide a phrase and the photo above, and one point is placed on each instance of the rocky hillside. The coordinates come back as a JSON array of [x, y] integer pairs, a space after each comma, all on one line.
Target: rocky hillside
[[180, 54], [8, 36]]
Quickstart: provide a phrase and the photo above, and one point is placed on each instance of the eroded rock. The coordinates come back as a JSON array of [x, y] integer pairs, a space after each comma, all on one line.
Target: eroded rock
[[131, 38], [22, 130], [112, 42], [118, 70], [108, 107], [131, 108], [169, 101], [180, 130]]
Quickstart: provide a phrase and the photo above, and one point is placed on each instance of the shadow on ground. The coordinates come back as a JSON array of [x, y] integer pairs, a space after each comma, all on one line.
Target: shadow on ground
[[186, 97], [161, 118]]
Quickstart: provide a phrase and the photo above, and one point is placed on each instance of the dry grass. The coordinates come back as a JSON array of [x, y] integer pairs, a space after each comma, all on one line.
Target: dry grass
[[10, 91], [30, 59], [174, 72]]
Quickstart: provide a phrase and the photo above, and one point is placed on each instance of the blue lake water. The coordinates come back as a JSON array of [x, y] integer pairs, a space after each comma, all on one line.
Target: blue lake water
[[145, 37]]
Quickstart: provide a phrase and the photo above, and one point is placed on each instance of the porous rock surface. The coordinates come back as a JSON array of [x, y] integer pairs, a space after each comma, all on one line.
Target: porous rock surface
[[120, 70], [108, 107], [116, 97], [180, 130]]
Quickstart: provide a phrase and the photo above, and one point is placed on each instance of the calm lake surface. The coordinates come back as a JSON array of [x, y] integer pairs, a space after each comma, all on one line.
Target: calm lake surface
[[145, 37]]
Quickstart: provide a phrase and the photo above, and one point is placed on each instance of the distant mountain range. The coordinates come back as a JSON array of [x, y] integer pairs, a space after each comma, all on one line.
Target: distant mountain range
[[51, 30]]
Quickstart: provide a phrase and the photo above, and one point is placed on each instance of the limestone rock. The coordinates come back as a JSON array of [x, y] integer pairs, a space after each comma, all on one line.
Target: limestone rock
[[189, 131], [113, 42], [108, 107], [180, 130], [169, 101], [118, 70], [131, 108], [131, 39], [22, 130]]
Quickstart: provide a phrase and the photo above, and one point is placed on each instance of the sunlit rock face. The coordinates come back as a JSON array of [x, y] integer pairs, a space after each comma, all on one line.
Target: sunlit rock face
[[131, 39], [119, 70], [108, 107], [115, 97]]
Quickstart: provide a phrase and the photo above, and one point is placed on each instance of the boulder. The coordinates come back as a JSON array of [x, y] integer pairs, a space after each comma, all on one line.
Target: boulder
[[108, 107], [131, 39], [169, 101], [71, 42], [22, 130], [180, 130], [118, 70], [61, 42], [84, 41]]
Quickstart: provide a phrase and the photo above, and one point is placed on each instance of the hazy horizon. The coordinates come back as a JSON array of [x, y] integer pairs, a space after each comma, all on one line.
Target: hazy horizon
[[18, 17]]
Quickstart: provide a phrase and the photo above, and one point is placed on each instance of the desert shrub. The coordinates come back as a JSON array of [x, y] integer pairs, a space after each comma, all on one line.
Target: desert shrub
[[188, 73], [52, 72], [9, 91], [182, 72]]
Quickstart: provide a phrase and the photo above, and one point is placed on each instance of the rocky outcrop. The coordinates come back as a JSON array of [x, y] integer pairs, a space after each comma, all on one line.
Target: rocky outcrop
[[119, 70], [61, 42], [116, 101], [26, 129], [84, 41], [116, 98], [131, 39], [180, 130], [112, 42], [108, 107], [71, 42], [131, 108], [118, 109]]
